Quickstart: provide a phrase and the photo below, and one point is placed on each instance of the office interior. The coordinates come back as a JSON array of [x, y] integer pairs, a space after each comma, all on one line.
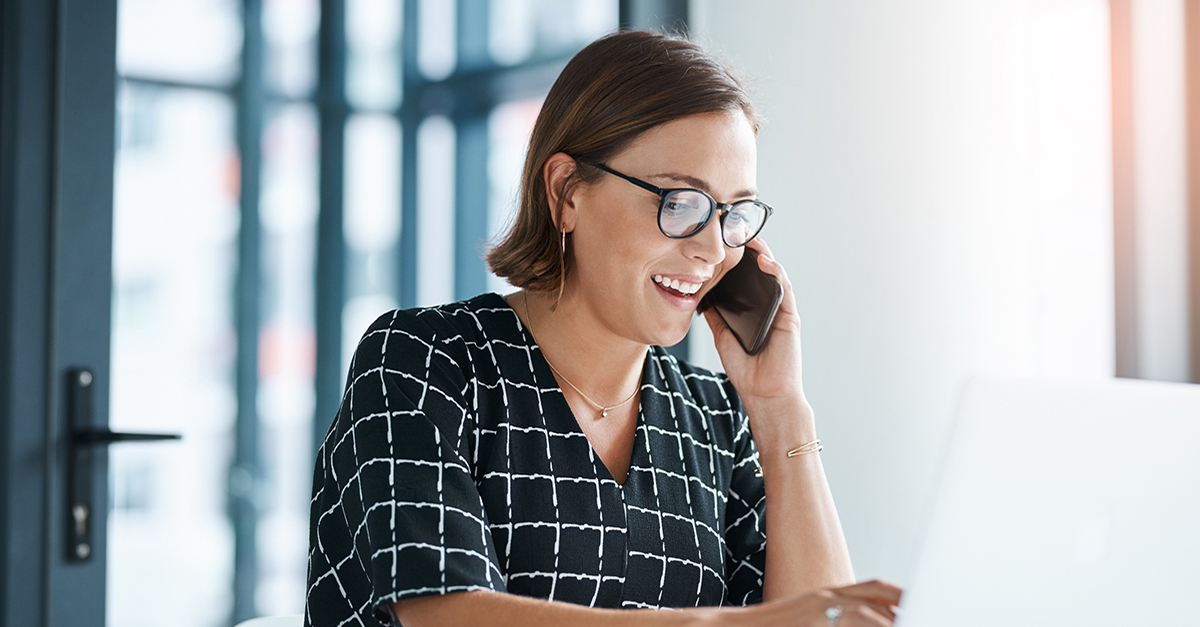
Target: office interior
[[205, 202]]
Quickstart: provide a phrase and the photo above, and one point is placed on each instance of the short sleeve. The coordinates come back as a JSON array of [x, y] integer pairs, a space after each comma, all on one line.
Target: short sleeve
[[745, 520], [396, 511]]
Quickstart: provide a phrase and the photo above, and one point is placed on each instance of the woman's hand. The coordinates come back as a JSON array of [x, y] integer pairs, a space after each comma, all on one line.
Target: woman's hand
[[769, 383], [867, 604]]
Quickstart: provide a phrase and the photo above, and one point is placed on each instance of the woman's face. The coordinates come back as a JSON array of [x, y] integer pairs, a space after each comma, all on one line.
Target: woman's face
[[623, 263]]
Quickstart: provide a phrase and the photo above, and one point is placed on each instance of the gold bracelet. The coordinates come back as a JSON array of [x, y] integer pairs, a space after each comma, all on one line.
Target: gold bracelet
[[811, 447]]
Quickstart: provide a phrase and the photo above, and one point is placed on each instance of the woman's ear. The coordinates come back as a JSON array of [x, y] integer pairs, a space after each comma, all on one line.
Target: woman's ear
[[559, 174]]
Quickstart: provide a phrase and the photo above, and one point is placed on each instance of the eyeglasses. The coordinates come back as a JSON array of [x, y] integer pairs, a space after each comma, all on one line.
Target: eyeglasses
[[684, 212]]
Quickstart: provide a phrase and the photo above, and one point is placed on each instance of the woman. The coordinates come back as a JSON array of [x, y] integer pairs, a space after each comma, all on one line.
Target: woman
[[538, 459]]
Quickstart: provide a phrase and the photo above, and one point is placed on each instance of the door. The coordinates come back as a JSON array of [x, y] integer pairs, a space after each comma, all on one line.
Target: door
[[56, 119]]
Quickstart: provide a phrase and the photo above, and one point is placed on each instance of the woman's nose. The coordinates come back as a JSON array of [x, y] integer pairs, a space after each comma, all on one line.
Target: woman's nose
[[707, 246]]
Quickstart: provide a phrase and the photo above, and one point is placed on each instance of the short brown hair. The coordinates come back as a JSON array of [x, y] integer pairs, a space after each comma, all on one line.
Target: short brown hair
[[612, 91]]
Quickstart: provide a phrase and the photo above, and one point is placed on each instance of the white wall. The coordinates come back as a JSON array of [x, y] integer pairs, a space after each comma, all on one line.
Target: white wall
[[942, 174]]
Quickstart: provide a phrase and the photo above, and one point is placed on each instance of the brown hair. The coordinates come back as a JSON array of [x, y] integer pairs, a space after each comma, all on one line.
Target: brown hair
[[613, 90]]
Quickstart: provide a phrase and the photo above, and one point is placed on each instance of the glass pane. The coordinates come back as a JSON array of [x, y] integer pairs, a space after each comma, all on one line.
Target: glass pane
[[290, 29], [437, 41], [287, 354], [373, 51], [175, 227], [185, 40], [512, 36], [509, 127], [519, 28], [371, 223], [435, 208]]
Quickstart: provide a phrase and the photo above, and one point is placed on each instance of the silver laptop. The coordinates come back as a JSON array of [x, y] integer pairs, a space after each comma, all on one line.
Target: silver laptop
[[1064, 504]]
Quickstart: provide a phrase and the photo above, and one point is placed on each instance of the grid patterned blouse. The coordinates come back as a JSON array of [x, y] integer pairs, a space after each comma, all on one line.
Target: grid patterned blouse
[[456, 464]]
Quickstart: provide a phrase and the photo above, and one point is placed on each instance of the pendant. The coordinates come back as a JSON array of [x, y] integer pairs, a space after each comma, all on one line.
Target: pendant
[[603, 413]]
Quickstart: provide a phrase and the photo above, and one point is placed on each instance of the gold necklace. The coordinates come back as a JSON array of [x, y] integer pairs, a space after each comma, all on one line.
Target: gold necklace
[[602, 408]]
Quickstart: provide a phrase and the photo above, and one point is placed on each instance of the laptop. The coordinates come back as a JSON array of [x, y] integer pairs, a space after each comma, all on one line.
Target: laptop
[[1064, 503]]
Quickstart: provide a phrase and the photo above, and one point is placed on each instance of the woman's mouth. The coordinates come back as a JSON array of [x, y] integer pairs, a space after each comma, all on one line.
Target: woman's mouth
[[684, 288]]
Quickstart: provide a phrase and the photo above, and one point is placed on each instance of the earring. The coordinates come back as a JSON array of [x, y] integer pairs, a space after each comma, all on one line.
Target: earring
[[562, 270]]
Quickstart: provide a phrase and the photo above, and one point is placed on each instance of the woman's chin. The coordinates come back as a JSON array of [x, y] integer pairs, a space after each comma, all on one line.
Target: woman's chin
[[671, 336]]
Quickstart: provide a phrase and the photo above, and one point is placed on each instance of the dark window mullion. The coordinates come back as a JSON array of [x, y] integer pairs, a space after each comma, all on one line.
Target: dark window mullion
[[410, 119], [664, 15], [471, 203], [245, 471], [471, 108], [330, 293]]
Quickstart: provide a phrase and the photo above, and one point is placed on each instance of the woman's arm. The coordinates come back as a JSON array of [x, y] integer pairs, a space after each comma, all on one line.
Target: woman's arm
[[863, 605], [806, 550], [498, 609]]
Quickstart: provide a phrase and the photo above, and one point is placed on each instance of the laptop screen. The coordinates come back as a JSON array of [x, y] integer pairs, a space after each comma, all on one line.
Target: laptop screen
[[1064, 503]]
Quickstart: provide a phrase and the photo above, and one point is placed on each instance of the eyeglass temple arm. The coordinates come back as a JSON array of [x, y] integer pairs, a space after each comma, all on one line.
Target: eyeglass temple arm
[[642, 184]]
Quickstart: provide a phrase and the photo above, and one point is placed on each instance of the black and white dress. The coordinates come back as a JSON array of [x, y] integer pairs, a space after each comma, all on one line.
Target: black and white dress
[[456, 464]]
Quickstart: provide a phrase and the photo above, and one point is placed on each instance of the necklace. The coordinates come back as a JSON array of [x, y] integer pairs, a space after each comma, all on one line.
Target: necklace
[[602, 408]]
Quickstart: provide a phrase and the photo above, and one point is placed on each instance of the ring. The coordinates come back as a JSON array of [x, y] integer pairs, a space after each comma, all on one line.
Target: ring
[[833, 615]]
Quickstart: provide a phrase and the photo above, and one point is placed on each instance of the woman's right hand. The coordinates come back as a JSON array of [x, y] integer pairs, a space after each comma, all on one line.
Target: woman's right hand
[[866, 604]]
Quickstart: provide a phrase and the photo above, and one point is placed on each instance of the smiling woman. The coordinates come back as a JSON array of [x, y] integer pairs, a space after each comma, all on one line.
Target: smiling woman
[[538, 458]]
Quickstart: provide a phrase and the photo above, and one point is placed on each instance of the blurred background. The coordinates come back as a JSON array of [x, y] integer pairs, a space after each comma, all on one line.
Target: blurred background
[[287, 171], [963, 186]]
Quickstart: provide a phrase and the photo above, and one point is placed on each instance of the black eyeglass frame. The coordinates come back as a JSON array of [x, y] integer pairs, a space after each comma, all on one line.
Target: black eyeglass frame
[[714, 206]]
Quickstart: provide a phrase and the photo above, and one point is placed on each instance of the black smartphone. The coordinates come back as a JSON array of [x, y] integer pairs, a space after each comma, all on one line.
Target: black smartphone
[[746, 299]]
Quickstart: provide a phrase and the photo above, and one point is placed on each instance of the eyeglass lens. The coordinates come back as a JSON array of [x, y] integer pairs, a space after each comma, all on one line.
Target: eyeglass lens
[[685, 212]]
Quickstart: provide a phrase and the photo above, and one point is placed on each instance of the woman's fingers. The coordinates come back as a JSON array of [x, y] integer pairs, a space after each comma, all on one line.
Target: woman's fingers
[[874, 589], [868, 603], [766, 259], [864, 616], [760, 245], [881, 610], [855, 613], [875, 592]]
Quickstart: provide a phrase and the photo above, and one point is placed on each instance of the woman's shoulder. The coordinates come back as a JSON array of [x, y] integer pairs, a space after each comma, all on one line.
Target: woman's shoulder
[[448, 329], [479, 314]]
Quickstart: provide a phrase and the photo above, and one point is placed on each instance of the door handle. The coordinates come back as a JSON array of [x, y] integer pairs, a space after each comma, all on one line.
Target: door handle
[[84, 437]]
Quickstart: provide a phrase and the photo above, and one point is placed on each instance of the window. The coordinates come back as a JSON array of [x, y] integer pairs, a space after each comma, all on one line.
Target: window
[[287, 171]]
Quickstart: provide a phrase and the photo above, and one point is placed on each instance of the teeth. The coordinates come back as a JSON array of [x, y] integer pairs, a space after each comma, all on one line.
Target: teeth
[[682, 287]]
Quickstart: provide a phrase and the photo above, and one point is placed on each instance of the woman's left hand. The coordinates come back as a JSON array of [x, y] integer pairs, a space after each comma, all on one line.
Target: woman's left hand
[[769, 383]]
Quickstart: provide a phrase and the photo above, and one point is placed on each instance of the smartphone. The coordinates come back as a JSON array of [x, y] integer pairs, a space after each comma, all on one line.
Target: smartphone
[[747, 299]]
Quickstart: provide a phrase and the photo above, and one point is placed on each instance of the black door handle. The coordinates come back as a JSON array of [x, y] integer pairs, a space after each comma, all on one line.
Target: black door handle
[[83, 438], [103, 437]]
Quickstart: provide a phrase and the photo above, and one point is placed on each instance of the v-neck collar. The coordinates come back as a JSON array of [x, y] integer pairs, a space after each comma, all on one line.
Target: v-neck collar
[[651, 401]]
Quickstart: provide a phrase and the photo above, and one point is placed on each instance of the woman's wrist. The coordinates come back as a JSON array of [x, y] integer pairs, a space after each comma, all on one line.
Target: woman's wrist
[[780, 425]]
